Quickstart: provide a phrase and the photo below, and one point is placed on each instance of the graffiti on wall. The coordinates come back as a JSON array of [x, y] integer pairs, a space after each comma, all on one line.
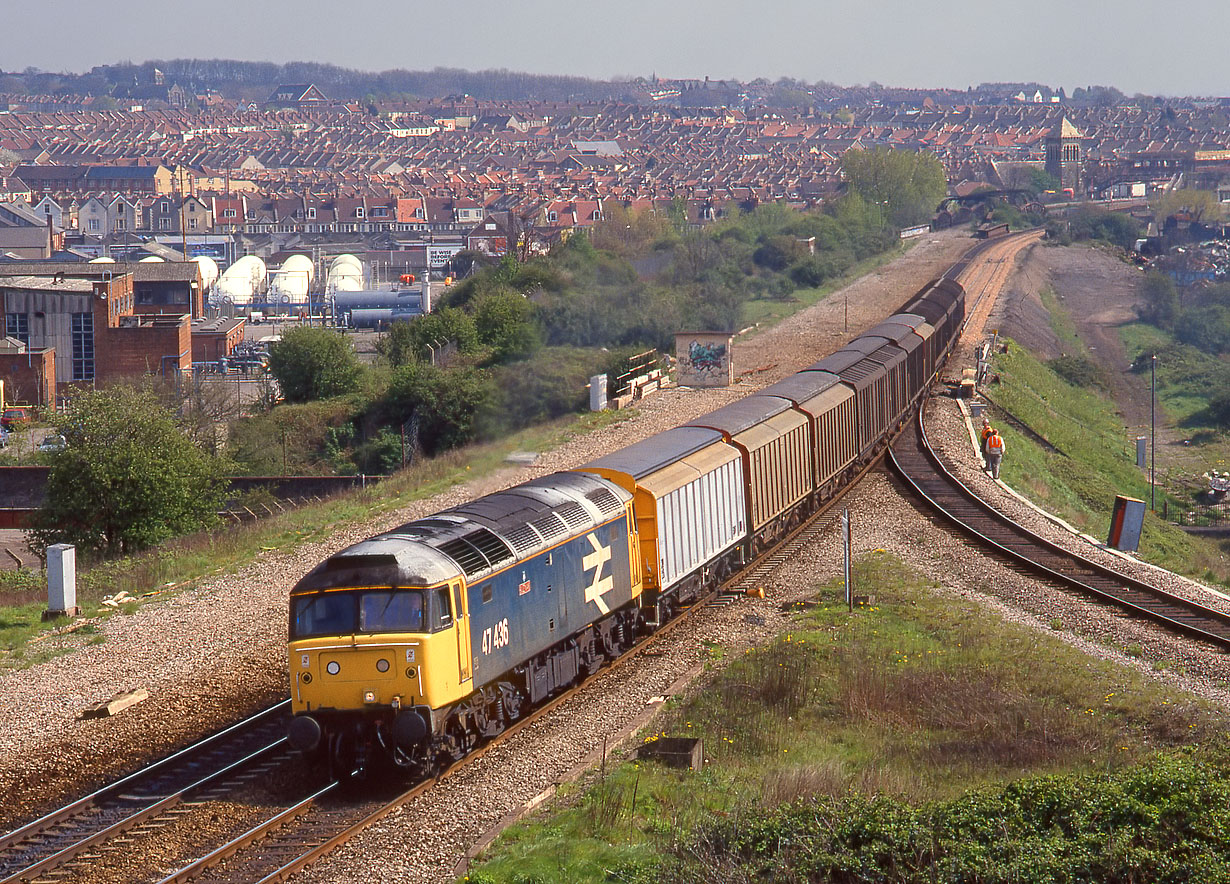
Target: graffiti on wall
[[704, 359]]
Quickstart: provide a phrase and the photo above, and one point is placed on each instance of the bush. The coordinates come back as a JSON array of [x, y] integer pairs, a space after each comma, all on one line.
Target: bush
[[446, 404], [1080, 372], [305, 439], [314, 363]]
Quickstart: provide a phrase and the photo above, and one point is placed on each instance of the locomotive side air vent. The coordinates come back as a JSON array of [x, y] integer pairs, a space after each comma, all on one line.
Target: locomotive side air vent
[[606, 502], [574, 514], [495, 550], [338, 563], [550, 527], [465, 555], [477, 551], [523, 538]]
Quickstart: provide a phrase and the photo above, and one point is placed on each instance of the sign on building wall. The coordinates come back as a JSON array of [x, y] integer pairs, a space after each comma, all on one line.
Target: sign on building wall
[[438, 256], [703, 359]]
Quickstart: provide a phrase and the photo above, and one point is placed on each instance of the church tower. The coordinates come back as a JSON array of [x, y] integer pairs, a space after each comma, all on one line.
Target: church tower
[[1064, 158]]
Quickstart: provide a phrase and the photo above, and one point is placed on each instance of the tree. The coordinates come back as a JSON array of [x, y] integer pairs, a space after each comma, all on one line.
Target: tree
[[446, 403], [904, 185], [1161, 300], [127, 478], [1201, 206], [505, 323], [314, 363]]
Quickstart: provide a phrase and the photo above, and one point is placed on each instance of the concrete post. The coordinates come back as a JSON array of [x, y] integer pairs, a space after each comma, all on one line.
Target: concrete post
[[61, 581], [597, 393]]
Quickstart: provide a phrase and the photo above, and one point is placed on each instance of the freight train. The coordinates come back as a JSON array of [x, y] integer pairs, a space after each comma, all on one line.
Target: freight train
[[419, 643]]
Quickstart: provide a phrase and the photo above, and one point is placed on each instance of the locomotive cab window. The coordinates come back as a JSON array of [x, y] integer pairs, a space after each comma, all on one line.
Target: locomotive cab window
[[393, 611], [444, 614], [353, 611]]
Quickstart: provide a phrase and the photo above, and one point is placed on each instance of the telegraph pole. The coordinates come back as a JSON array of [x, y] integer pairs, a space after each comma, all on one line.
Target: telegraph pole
[[1153, 433]]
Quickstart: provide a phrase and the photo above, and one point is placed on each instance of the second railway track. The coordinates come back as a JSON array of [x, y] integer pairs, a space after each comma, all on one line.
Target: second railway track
[[925, 473]]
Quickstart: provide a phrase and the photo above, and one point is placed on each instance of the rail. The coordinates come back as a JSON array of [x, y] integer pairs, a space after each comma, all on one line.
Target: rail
[[53, 841], [922, 469]]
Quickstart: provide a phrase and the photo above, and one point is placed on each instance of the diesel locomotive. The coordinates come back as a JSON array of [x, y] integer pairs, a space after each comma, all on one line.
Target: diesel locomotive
[[419, 643]]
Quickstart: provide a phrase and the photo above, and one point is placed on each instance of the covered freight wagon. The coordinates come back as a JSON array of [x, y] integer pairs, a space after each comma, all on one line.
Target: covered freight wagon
[[870, 385], [775, 441], [688, 494], [830, 405]]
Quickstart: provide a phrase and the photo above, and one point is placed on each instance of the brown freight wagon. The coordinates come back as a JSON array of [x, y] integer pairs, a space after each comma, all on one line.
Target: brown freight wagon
[[829, 404], [902, 331], [870, 385], [776, 443]]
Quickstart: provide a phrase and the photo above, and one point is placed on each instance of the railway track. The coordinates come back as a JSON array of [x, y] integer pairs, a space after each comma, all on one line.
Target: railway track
[[923, 471], [71, 837], [301, 834]]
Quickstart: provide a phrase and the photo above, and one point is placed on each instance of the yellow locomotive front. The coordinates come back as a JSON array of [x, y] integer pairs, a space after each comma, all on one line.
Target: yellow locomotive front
[[379, 645]]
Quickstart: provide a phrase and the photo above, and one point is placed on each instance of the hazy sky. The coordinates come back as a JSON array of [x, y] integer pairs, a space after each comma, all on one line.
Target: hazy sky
[[1135, 45]]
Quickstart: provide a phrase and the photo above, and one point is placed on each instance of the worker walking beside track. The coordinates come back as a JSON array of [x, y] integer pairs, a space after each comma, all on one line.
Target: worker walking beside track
[[995, 452]]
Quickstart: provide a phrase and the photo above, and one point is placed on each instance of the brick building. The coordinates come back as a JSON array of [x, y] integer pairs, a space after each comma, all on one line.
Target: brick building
[[28, 373], [212, 339], [87, 318], [1064, 156]]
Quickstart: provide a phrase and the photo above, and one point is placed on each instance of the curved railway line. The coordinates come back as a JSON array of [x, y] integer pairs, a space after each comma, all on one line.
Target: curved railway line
[[311, 825], [925, 473]]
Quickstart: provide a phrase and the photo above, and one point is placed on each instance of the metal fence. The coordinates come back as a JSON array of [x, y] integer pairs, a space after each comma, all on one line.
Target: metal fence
[[1215, 515]]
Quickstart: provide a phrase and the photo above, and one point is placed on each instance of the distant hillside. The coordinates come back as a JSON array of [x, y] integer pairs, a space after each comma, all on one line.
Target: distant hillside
[[256, 80]]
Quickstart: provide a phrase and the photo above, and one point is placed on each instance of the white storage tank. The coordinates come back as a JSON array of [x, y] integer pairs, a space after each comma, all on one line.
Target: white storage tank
[[209, 270], [291, 281]]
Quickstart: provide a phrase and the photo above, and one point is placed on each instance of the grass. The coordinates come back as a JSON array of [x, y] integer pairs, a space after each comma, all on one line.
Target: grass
[[187, 559], [923, 697], [1092, 461]]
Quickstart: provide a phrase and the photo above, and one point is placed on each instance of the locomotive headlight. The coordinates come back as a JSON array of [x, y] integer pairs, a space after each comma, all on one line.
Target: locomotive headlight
[[333, 668], [382, 665]]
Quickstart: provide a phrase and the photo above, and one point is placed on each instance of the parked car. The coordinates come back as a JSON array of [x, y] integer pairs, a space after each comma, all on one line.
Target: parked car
[[54, 442], [14, 417]]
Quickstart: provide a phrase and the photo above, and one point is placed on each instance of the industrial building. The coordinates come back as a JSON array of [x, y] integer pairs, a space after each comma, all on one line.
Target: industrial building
[[82, 327]]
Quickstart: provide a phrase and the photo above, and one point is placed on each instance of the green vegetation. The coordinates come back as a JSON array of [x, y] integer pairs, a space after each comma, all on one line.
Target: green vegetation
[[1200, 206], [907, 184], [1093, 223], [516, 341], [128, 478], [314, 363], [1086, 459], [920, 736]]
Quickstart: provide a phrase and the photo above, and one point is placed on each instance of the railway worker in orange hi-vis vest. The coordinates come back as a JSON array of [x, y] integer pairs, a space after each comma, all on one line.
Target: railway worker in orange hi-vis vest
[[995, 452], [982, 438]]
